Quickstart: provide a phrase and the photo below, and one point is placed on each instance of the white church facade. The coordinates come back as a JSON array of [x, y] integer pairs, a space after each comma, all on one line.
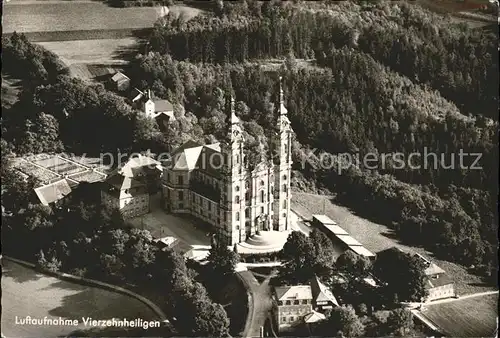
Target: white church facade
[[216, 184]]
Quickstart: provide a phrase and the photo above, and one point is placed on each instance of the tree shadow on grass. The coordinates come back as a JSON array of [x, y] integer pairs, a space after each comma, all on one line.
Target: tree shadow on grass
[[18, 273], [101, 305], [61, 284]]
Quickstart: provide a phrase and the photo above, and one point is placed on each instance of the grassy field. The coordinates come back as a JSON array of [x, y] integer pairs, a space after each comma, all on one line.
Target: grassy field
[[73, 15], [89, 59], [471, 317], [28, 293], [461, 11], [93, 39], [376, 237], [50, 16]]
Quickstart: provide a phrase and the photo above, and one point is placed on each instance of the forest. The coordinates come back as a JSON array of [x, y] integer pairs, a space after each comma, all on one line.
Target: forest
[[458, 61], [380, 78]]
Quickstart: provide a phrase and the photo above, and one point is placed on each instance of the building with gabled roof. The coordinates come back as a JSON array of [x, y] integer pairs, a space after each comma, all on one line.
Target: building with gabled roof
[[323, 298], [120, 81], [439, 285], [52, 192], [291, 304], [217, 184]]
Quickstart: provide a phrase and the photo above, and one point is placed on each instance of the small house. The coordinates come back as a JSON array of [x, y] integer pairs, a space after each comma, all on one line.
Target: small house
[[120, 82]]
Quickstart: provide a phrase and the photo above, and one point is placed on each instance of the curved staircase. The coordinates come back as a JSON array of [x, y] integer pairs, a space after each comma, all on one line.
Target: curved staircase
[[265, 241]]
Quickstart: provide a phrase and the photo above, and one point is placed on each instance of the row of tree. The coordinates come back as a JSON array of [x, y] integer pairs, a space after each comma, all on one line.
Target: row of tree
[[31, 63], [457, 60]]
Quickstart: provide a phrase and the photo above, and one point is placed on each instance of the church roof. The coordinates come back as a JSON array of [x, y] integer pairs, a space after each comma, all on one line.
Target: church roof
[[119, 76], [135, 165], [191, 155], [162, 105], [234, 118]]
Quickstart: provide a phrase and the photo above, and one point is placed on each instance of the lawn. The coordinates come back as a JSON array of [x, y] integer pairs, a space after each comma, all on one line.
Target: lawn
[[376, 237], [50, 16], [471, 317], [92, 39], [73, 15], [29, 293], [94, 59]]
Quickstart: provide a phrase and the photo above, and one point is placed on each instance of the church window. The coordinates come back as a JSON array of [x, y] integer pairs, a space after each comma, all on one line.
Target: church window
[[181, 195], [247, 184], [262, 197], [262, 183], [284, 204], [237, 188], [261, 210], [247, 212], [180, 180], [284, 177], [237, 215], [237, 199], [284, 187]]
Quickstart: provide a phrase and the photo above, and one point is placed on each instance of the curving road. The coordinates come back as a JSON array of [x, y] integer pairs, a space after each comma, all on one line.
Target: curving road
[[28, 293]]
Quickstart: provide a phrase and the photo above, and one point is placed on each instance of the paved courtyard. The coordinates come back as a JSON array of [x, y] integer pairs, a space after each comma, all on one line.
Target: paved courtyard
[[161, 224], [28, 293]]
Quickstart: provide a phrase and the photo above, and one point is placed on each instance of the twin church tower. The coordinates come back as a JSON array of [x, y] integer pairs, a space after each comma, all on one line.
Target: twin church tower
[[217, 183]]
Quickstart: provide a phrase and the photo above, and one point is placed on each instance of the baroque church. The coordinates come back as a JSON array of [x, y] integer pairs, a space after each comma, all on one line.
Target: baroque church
[[216, 184]]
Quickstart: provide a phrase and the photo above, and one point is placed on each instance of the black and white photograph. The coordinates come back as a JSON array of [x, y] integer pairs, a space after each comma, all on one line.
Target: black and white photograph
[[249, 168]]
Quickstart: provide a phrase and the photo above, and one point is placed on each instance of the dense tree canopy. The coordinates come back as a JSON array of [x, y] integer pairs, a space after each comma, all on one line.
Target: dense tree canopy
[[403, 275], [455, 59], [342, 322]]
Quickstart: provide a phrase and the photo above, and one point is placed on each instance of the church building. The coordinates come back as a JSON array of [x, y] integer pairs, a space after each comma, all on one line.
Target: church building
[[216, 184]]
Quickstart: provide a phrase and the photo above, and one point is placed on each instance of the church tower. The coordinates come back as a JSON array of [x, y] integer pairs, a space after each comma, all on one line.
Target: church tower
[[284, 170], [232, 206]]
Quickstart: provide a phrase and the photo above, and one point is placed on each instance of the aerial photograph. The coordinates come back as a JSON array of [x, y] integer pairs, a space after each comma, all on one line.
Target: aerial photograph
[[249, 168]]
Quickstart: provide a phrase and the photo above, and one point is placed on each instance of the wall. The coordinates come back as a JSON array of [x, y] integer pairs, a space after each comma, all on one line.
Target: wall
[[445, 291], [295, 311]]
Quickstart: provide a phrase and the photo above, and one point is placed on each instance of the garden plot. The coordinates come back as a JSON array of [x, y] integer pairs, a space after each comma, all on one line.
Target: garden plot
[[61, 166], [38, 173], [88, 176]]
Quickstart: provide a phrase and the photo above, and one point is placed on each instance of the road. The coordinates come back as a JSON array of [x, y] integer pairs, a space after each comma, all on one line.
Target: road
[[28, 293], [161, 224], [261, 303]]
